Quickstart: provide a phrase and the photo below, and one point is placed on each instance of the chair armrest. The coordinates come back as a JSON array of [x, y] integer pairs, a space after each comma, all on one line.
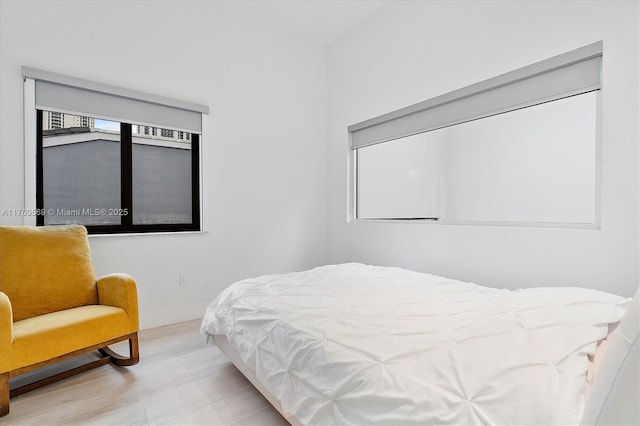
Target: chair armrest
[[120, 290], [6, 330]]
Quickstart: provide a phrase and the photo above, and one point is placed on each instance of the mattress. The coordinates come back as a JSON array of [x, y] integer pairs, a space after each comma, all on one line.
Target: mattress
[[361, 344]]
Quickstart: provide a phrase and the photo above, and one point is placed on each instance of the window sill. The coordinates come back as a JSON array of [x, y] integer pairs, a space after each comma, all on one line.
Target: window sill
[[149, 234], [551, 225]]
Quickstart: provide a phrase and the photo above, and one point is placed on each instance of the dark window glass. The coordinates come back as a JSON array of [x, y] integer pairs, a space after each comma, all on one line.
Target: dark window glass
[[116, 177]]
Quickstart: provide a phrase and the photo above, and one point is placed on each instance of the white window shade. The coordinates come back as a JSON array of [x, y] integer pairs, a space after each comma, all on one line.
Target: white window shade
[[57, 92], [571, 73]]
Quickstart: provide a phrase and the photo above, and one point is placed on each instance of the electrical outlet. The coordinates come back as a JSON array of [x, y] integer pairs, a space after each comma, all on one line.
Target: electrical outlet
[[183, 279]]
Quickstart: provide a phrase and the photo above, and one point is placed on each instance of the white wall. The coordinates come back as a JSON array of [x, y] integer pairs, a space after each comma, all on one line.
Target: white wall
[[413, 51], [264, 148]]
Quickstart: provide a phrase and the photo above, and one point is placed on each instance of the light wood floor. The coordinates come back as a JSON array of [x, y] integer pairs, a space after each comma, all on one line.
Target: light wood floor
[[179, 381]]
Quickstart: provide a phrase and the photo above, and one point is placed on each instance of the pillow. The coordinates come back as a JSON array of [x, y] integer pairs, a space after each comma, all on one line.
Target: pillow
[[613, 397], [596, 359]]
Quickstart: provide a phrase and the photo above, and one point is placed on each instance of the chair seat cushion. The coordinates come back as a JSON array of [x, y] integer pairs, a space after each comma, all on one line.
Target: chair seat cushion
[[48, 336]]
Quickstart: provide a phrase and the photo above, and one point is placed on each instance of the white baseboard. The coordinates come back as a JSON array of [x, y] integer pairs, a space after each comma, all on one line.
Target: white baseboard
[[171, 316]]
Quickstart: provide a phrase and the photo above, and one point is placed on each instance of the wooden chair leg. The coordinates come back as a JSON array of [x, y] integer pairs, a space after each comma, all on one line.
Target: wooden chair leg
[[134, 350], [4, 394], [117, 359]]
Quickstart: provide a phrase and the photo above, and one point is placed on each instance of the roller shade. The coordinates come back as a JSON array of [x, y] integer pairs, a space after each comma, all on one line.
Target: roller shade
[[571, 73], [60, 93]]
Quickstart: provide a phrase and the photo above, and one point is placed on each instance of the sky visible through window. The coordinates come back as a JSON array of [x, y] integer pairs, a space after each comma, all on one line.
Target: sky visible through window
[[107, 125]]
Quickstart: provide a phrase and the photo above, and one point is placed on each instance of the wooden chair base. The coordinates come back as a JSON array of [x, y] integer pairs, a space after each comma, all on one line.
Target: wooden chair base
[[107, 356]]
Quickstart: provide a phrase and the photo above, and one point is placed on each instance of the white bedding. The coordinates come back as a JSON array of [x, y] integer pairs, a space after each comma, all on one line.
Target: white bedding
[[358, 344]]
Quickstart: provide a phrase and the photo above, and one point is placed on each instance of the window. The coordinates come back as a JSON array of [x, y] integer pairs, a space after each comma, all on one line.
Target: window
[[113, 162], [166, 133], [53, 120], [80, 175], [521, 148]]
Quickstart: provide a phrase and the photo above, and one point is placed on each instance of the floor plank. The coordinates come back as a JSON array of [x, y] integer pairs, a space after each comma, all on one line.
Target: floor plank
[[179, 381]]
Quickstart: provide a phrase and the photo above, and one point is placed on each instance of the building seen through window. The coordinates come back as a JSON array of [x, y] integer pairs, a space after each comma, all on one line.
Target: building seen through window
[[58, 120]]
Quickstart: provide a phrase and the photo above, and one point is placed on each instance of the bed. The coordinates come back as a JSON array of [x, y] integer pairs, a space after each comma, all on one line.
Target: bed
[[362, 344]]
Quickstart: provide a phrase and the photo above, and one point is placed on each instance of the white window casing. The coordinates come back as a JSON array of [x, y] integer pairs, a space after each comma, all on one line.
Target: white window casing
[[576, 72], [50, 91]]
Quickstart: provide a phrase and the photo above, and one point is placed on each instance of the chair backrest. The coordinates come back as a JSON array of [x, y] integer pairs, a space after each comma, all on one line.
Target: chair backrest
[[46, 269]]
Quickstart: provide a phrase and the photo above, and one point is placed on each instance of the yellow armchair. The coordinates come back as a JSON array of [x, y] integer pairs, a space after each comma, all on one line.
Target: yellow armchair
[[52, 308]]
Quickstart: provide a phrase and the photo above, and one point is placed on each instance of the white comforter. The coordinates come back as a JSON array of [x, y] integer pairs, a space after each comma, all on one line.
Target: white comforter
[[357, 344]]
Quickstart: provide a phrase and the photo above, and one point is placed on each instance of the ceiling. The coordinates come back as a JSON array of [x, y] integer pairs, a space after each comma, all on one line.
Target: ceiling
[[319, 21]]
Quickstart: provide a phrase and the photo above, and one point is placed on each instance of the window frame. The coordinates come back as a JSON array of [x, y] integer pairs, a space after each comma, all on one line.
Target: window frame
[[126, 225], [415, 119], [195, 127]]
